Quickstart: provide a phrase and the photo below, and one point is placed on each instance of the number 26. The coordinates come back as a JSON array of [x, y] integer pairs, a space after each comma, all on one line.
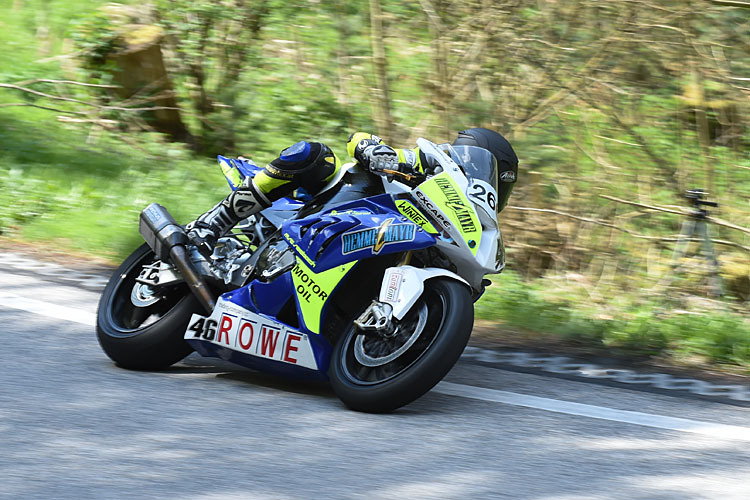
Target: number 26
[[483, 196]]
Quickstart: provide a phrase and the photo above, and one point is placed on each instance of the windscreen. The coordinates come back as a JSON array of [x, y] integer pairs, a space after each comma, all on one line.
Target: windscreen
[[478, 163]]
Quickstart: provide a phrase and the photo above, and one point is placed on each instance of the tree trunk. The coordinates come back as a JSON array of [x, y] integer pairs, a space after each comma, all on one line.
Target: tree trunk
[[142, 77], [440, 69], [342, 57], [382, 103]]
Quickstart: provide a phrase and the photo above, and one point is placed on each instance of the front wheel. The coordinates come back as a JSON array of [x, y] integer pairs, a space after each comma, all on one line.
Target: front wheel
[[139, 327], [378, 374]]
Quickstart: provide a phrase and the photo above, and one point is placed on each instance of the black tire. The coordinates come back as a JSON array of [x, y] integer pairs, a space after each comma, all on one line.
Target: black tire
[[143, 338], [449, 320]]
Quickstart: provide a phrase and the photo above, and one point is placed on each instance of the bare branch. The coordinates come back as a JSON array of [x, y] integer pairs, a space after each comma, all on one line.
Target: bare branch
[[714, 220], [432, 15], [650, 207], [66, 82], [732, 3], [538, 40], [723, 223], [78, 101], [624, 230], [618, 141], [28, 104], [48, 96]]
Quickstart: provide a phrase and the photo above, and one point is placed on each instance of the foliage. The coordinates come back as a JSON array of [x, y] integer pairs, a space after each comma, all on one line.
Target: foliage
[[57, 189], [635, 99], [211, 43], [629, 324], [96, 37]]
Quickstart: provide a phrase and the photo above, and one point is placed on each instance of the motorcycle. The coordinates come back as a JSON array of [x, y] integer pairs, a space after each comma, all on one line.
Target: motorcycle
[[370, 284]]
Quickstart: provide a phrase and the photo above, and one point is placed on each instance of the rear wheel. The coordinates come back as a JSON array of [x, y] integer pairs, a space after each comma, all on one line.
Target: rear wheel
[[140, 327], [378, 374]]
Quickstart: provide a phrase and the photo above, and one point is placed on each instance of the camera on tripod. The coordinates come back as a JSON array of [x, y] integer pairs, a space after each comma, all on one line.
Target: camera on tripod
[[696, 196]]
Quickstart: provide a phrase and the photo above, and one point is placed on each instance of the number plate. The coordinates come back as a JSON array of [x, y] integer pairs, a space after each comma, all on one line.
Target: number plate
[[484, 195], [236, 328]]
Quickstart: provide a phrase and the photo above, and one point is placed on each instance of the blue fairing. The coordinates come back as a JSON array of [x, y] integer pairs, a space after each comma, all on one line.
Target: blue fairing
[[267, 299], [353, 231], [246, 168]]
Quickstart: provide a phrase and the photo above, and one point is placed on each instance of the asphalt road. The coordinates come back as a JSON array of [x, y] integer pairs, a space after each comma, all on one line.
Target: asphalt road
[[73, 425]]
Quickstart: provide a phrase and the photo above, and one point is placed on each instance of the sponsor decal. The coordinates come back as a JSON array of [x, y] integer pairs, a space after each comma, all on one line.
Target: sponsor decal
[[455, 202], [252, 334], [358, 211], [411, 212], [508, 176], [291, 241], [442, 199], [313, 290], [306, 286], [484, 194], [377, 237], [393, 285], [430, 207], [278, 174]]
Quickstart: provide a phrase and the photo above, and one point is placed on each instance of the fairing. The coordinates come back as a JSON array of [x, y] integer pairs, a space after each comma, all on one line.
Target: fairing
[[354, 231]]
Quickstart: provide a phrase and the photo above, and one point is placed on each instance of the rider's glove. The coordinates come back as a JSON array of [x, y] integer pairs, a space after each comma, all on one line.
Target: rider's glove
[[376, 157]]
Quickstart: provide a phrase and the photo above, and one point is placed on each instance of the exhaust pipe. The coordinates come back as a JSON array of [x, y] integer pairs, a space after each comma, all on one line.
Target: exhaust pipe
[[168, 240]]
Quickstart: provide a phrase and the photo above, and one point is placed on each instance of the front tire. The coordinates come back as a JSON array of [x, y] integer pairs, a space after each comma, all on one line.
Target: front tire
[[379, 375], [140, 328]]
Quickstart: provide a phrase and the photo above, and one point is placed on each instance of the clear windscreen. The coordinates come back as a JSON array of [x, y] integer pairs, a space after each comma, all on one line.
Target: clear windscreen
[[476, 162]]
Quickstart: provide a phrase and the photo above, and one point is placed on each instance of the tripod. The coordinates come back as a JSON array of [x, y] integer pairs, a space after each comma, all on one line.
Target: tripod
[[696, 226]]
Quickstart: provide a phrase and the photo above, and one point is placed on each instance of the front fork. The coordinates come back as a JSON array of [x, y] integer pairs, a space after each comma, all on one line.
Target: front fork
[[401, 288], [403, 285], [378, 317]]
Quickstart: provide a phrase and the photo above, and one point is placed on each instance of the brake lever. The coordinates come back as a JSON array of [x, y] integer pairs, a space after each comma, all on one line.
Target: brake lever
[[396, 173]]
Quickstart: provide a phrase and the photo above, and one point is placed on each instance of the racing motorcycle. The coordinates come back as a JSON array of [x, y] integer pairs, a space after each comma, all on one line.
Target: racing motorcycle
[[370, 284]]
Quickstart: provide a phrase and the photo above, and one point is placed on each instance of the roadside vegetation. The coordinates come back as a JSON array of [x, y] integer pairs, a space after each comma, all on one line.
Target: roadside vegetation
[[614, 108]]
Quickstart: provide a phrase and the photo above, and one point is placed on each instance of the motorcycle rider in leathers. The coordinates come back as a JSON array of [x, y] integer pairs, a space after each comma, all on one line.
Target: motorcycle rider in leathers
[[311, 165]]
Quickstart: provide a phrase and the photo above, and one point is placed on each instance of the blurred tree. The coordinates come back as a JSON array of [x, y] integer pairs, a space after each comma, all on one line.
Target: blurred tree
[[122, 46], [209, 44], [382, 104]]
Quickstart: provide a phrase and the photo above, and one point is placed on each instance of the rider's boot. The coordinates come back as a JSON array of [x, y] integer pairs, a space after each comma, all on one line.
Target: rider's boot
[[212, 225]]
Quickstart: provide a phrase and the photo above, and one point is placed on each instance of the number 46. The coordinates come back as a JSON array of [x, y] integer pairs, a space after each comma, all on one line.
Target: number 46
[[205, 328]]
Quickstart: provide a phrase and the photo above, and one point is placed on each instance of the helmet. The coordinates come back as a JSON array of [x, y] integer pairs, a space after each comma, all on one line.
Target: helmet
[[507, 161]]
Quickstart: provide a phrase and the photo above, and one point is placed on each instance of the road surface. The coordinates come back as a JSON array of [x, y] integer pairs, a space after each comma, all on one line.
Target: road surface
[[73, 425]]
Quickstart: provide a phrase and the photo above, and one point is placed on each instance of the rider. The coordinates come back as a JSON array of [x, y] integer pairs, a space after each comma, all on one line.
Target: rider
[[311, 165]]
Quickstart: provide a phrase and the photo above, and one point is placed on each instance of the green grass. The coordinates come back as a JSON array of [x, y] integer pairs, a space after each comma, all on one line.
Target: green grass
[[54, 186], [631, 324]]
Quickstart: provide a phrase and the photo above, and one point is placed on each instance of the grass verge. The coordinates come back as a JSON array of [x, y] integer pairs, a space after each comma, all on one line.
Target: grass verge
[[635, 325]]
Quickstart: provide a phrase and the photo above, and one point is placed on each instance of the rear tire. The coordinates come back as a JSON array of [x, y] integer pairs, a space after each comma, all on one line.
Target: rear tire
[[146, 337], [367, 377]]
